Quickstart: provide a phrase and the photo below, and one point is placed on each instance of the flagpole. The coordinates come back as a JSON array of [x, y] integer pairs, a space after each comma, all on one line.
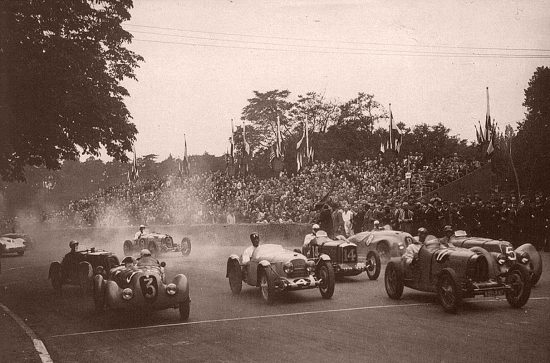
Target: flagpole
[[391, 126], [514, 168]]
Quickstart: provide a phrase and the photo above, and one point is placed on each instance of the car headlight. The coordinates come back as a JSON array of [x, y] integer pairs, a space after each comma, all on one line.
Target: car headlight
[[501, 259], [99, 270], [401, 246], [310, 265], [127, 294], [171, 289], [288, 267]]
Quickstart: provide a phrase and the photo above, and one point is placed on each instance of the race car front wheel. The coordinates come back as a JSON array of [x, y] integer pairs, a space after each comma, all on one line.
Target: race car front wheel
[[449, 292], [267, 285], [235, 278], [127, 247], [328, 280], [373, 265], [185, 308], [393, 280], [185, 246], [520, 282]]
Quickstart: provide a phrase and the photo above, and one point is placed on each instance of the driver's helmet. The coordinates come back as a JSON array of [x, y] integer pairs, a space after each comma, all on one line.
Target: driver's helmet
[[73, 243], [145, 252], [422, 231], [315, 228], [142, 226]]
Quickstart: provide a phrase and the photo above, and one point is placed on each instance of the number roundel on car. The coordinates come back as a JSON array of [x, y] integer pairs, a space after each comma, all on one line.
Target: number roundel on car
[[149, 287]]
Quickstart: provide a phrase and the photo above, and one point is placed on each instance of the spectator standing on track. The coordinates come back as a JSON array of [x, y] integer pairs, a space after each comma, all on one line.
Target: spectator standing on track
[[406, 217], [325, 220], [347, 217]]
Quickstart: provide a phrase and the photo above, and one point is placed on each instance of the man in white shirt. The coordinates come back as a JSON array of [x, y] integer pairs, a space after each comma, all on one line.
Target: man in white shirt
[[255, 239], [309, 237], [347, 217], [140, 233]]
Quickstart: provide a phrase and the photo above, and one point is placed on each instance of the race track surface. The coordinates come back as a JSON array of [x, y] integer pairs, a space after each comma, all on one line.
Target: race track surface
[[360, 323]]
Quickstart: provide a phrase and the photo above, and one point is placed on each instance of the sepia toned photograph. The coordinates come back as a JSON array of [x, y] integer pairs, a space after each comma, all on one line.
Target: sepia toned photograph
[[269, 181]]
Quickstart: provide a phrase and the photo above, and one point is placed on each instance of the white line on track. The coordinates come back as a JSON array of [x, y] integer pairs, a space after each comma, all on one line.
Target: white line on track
[[262, 317], [38, 344]]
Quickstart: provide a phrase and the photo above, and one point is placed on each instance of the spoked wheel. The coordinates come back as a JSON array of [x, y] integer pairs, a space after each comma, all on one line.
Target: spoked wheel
[[185, 246], [383, 250], [373, 265], [127, 247], [393, 280], [449, 291], [328, 280], [267, 285], [185, 308], [235, 279], [518, 278]]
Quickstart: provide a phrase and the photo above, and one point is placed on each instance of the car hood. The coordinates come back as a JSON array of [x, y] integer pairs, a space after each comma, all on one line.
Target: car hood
[[12, 243], [276, 254], [129, 276]]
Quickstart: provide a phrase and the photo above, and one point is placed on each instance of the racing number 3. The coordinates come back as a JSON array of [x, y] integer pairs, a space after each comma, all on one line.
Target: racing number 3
[[148, 287]]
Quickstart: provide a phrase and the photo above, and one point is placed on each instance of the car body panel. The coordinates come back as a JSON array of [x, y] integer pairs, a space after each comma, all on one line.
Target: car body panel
[[343, 255], [397, 242], [95, 258]]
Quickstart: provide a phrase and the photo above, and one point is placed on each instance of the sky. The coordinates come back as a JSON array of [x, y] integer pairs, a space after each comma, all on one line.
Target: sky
[[204, 59]]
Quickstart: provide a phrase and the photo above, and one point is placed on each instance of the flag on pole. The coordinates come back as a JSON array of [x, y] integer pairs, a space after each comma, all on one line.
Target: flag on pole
[[232, 144], [309, 148], [391, 128], [300, 151], [133, 173], [246, 144], [382, 147], [278, 151], [490, 148], [185, 170], [487, 119], [271, 154]]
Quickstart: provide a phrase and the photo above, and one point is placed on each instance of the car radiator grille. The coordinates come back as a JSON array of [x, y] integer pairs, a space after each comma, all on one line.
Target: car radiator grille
[[300, 268]]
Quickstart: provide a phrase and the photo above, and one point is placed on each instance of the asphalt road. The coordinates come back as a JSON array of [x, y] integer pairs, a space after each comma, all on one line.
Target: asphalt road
[[360, 323]]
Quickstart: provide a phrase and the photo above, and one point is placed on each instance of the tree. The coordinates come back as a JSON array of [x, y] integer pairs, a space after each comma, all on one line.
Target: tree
[[532, 150], [62, 64], [361, 113]]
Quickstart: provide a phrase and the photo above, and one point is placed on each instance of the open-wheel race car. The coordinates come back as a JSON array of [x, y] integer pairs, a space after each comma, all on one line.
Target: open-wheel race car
[[10, 245], [276, 270], [458, 273], [525, 254], [386, 243], [141, 286], [343, 256], [157, 243], [79, 267]]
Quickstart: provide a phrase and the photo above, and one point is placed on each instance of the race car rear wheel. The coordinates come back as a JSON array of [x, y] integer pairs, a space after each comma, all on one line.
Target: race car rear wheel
[[267, 285], [448, 291], [373, 265], [328, 280], [185, 308], [235, 278], [185, 246], [393, 280], [127, 247], [518, 278]]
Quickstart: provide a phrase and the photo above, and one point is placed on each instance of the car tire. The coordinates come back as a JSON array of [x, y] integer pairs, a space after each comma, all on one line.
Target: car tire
[[185, 246], [56, 276], [185, 309], [142, 243], [448, 291], [99, 294], [128, 248], [267, 285], [85, 272], [518, 278], [383, 250], [373, 265], [325, 273], [535, 261], [394, 280], [235, 278]]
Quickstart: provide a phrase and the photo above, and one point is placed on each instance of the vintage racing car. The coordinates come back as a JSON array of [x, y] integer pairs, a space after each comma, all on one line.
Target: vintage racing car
[[79, 267], [157, 243], [141, 286], [386, 243], [12, 245], [343, 256], [525, 254], [275, 270], [457, 273], [27, 240]]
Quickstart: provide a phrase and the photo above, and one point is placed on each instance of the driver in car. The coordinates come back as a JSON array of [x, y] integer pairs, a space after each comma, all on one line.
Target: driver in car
[[411, 253], [145, 259], [255, 239], [139, 233], [309, 237]]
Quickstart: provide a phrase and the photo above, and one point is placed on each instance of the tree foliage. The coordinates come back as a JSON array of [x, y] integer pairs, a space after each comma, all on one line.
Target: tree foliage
[[62, 64], [531, 148]]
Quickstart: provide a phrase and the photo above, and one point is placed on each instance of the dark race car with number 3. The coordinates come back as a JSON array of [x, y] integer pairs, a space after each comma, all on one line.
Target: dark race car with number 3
[[458, 273], [275, 270], [344, 257], [525, 254], [141, 286]]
